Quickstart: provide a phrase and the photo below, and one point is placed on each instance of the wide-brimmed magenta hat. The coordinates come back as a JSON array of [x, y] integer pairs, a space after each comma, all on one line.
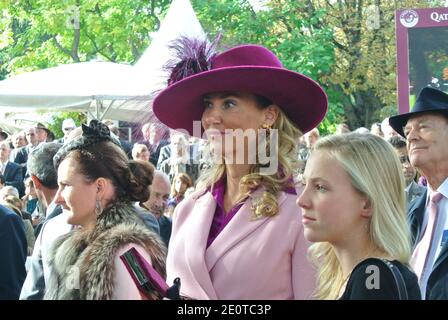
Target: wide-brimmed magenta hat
[[249, 68]]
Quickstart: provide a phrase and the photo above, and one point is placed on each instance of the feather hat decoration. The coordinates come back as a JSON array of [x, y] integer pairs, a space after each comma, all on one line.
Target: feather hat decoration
[[192, 56]]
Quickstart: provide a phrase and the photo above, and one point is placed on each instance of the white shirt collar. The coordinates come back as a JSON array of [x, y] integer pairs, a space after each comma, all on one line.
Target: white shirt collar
[[408, 187], [443, 189], [50, 208]]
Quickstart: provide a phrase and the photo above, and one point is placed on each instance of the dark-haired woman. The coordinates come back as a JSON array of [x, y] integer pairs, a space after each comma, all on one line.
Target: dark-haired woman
[[96, 191]]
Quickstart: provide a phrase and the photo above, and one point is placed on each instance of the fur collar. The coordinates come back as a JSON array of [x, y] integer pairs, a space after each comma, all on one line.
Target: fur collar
[[83, 260]]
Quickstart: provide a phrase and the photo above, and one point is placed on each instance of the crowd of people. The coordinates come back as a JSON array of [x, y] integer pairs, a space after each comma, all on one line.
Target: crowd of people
[[352, 215]]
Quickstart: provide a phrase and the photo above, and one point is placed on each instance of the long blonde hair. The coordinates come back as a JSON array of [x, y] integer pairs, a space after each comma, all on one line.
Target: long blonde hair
[[375, 172], [288, 135]]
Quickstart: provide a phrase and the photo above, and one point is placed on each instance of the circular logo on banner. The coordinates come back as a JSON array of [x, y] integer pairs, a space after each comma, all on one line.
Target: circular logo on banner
[[409, 18]]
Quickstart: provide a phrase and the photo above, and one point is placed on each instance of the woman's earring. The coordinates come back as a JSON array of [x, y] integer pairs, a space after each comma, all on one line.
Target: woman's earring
[[267, 127], [98, 208]]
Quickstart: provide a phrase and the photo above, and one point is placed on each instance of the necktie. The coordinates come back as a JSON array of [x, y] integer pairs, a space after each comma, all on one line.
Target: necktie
[[421, 252]]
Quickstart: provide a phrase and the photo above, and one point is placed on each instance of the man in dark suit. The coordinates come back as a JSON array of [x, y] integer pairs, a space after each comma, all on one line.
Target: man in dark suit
[[22, 154], [193, 148], [12, 172], [164, 154], [158, 203], [43, 133], [3, 135], [413, 190], [68, 125], [125, 145], [156, 136], [44, 176], [426, 131], [12, 254], [18, 141]]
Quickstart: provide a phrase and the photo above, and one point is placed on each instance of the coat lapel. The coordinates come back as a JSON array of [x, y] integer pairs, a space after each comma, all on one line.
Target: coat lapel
[[196, 242], [415, 217], [442, 257], [9, 171], [241, 226]]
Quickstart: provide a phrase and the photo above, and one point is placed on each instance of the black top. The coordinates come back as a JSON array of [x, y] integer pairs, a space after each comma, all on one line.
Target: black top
[[372, 279]]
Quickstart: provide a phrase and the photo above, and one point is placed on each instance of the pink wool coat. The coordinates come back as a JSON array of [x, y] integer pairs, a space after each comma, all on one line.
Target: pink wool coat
[[250, 259]]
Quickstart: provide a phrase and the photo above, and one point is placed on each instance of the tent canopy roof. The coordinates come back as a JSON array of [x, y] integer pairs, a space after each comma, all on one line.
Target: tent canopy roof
[[106, 89]]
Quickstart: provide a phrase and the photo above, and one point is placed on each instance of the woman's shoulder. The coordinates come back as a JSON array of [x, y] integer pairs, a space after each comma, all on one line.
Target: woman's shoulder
[[184, 208], [287, 205], [373, 279], [193, 197], [384, 265]]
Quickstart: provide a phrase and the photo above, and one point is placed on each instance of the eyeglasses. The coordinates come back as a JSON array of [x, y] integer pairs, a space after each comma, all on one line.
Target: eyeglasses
[[68, 129]]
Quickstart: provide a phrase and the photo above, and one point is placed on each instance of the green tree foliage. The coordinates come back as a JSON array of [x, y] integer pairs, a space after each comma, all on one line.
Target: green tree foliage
[[38, 34], [364, 37], [56, 121], [281, 28], [347, 46], [44, 33]]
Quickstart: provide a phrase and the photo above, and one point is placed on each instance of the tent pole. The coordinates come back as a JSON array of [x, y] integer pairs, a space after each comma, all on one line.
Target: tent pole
[[107, 109], [98, 109], [91, 115]]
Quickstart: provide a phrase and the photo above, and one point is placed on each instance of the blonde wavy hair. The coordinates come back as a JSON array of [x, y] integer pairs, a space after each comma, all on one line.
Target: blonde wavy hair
[[375, 172], [288, 135]]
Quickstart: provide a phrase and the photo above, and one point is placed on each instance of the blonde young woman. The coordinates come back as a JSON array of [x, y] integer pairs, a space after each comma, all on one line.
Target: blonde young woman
[[353, 208], [239, 235]]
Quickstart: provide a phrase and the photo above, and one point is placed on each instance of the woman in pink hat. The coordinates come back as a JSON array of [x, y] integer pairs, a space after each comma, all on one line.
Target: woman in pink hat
[[239, 235]]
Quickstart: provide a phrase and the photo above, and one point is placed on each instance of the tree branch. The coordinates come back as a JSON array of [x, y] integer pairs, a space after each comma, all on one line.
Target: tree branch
[[153, 5], [75, 45], [285, 23], [60, 47], [339, 46], [99, 50]]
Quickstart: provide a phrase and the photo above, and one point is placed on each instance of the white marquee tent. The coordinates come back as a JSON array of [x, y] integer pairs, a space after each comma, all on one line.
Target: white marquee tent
[[103, 89]]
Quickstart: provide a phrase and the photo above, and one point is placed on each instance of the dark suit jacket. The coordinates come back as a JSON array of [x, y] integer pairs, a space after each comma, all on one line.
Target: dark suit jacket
[[127, 148], [165, 225], [154, 154], [21, 159], [437, 287], [165, 153], [14, 177], [12, 254], [414, 192], [22, 156]]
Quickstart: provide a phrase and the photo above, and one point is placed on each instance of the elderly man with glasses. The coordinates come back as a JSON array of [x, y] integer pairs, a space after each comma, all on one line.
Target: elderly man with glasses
[[68, 125]]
